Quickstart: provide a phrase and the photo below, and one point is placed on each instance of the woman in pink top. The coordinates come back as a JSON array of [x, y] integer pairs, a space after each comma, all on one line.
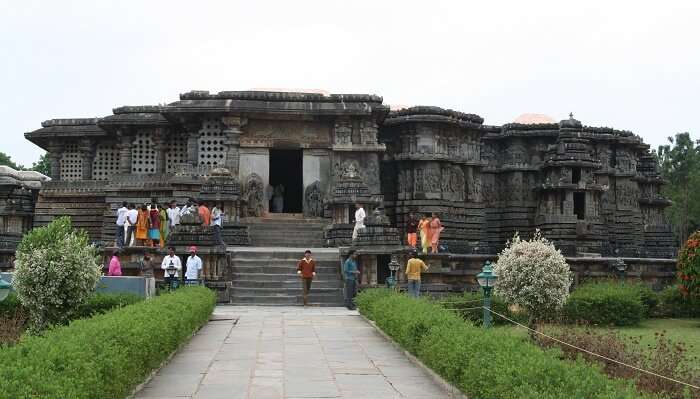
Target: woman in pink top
[[115, 268], [435, 230]]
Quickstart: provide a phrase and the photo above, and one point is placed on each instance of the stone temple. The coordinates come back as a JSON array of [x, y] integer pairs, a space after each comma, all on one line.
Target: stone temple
[[593, 191]]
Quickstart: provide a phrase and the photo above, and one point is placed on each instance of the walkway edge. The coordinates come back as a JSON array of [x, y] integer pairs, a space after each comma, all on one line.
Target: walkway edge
[[452, 391], [155, 371]]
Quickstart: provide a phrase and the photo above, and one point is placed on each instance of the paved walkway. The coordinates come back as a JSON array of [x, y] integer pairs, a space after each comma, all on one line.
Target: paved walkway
[[290, 352]]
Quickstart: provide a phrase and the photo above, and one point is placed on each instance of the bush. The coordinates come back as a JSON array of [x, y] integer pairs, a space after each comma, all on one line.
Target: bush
[[484, 363], [55, 272], [102, 303], [689, 266], [105, 356], [533, 274], [605, 303], [464, 304], [673, 303]]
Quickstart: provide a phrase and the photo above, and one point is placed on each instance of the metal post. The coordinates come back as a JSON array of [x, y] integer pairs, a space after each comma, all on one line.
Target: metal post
[[487, 307]]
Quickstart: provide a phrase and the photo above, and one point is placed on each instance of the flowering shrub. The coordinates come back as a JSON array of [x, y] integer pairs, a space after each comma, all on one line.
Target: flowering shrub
[[55, 272], [689, 266], [534, 275]]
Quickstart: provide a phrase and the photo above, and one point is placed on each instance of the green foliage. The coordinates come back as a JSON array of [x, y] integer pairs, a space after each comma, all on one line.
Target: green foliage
[[607, 303], [464, 304], [689, 266], [43, 165], [679, 162], [6, 160], [483, 363], [55, 272], [105, 356], [673, 303], [103, 303]]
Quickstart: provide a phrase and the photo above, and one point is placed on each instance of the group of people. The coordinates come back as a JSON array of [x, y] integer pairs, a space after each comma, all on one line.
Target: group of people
[[428, 227], [150, 224], [193, 266]]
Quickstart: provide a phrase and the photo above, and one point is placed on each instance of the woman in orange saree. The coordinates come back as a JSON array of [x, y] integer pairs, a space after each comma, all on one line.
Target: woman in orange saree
[[425, 237], [142, 225], [435, 230]]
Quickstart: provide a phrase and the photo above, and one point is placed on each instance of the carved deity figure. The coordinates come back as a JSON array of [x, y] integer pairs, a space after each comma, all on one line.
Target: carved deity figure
[[313, 199], [254, 195], [343, 132]]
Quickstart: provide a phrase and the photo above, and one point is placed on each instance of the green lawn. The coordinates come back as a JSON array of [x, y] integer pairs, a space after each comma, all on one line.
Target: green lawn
[[677, 330], [686, 331]]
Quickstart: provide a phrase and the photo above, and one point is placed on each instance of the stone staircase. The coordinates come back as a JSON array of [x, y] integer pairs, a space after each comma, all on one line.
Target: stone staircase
[[286, 230], [267, 276]]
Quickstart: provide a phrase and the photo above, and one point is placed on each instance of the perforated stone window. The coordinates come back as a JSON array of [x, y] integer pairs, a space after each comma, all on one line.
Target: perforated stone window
[[143, 155], [212, 151], [106, 162], [71, 163], [176, 153]]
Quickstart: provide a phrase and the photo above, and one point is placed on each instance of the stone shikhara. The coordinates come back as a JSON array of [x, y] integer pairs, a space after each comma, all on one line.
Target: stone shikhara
[[592, 191]]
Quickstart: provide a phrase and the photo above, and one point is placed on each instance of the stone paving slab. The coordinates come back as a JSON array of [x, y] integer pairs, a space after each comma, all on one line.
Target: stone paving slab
[[255, 352]]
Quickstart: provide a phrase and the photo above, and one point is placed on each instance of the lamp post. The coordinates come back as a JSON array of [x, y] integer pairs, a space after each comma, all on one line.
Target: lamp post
[[486, 280], [393, 268], [4, 289], [171, 274]]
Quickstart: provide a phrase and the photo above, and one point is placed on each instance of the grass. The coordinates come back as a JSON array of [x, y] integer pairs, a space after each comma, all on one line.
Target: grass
[[686, 331]]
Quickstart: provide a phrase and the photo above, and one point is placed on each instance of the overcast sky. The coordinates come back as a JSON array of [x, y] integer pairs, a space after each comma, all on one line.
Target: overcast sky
[[628, 65]]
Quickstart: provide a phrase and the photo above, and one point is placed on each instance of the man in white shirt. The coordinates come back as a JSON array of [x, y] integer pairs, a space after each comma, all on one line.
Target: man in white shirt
[[194, 267], [359, 219], [121, 220], [217, 218], [173, 214], [131, 217], [173, 259]]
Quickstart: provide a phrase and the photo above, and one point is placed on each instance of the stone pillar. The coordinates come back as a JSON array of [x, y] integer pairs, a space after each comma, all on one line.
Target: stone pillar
[[232, 140], [160, 146], [192, 134], [88, 151], [124, 146], [54, 155]]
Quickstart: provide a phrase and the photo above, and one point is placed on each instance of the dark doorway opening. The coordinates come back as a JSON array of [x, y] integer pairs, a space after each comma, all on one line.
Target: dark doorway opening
[[580, 205], [286, 179], [576, 176], [383, 268]]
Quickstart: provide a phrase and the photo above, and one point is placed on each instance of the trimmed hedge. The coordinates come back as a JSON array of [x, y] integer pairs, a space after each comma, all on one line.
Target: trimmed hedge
[[96, 304], [484, 363], [672, 303], [105, 356], [607, 303], [465, 303]]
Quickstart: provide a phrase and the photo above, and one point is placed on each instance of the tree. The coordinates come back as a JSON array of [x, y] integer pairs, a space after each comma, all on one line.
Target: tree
[[42, 165], [533, 274], [56, 270], [679, 162], [7, 161], [689, 266]]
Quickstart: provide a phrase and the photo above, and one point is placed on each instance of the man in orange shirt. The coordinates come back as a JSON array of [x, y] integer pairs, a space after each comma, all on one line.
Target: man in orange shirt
[[204, 214], [306, 269]]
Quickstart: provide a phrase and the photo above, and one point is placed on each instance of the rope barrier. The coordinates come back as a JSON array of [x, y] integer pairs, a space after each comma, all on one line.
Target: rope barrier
[[460, 309], [592, 353]]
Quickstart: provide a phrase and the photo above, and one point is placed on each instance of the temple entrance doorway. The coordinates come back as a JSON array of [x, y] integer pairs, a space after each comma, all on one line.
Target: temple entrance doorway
[[286, 189]]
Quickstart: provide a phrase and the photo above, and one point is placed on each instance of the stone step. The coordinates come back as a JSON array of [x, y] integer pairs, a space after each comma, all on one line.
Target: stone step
[[281, 270], [267, 291], [291, 276], [285, 301], [287, 284], [281, 261]]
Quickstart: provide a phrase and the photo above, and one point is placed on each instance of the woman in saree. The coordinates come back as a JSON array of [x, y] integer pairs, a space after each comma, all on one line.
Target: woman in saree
[[154, 229], [425, 238], [435, 230], [142, 223], [164, 226]]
